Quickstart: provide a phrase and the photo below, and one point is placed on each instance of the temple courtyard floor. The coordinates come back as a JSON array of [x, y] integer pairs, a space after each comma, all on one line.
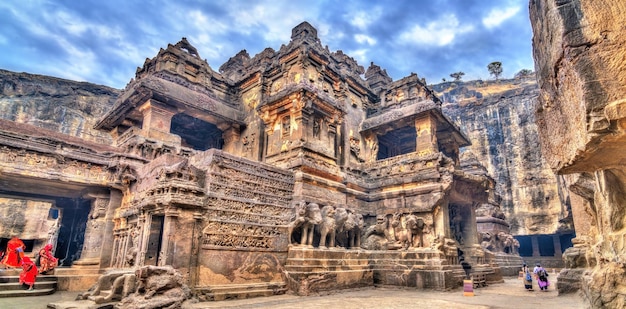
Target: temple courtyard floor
[[510, 294]]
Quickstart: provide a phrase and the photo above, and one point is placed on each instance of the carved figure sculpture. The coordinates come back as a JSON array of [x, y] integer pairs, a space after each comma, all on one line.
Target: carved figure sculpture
[[487, 241], [327, 227], [307, 216], [416, 228], [342, 238], [403, 236], [376, 237], [157, 287], [515, 246], [119, 284], [354, 234], [341, 218]]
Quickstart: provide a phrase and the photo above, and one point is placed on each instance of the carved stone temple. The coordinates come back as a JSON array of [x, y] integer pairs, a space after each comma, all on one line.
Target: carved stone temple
[[294, 170]]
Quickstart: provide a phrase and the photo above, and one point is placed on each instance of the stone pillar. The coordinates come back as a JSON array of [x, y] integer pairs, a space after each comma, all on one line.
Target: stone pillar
[[167, 242], [94, 238], [557, 246], [426, 132], [157, 121], [231, 137], [535, 243]]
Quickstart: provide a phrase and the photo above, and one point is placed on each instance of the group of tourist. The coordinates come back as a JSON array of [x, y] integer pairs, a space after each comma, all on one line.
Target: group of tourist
[[539, 273], [14, 257]]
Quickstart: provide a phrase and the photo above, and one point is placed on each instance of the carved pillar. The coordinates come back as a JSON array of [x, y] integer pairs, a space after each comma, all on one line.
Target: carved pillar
[[535, 244], [95, 230], [167, 243], [426, 132], [195, 250], [157, 121], [231, 136], [557, 246]]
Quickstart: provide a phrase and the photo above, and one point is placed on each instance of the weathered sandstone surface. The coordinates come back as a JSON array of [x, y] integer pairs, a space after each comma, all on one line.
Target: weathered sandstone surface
[[498, 117], [580, 58], [65, 106]]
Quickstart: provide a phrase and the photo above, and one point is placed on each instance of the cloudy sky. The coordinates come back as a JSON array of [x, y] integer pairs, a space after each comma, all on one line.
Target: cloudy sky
[[104, 41]]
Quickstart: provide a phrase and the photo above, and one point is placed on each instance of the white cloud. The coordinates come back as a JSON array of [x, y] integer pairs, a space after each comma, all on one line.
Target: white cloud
[[437, 33], [360, 55], [498, 16], [362, 38], [363, 19]]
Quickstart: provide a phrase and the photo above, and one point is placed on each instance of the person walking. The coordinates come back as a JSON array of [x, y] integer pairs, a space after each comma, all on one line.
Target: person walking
[[29, 273], [542, 277], [527, 277], [14, 253]]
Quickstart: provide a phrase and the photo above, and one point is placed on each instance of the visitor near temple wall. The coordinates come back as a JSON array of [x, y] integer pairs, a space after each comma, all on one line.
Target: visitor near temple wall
[[14, 253], [528, 279], [47, 261], [29, 273], [542, 277]]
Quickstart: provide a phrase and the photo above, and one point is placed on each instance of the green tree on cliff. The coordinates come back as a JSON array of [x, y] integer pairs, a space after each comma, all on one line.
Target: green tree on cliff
[[523, 73], [495, 69], [457, 76]]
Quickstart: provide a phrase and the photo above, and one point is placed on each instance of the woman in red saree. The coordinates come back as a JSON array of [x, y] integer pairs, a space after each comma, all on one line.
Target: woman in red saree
[[47, 261], [29, 273], [15, 253]]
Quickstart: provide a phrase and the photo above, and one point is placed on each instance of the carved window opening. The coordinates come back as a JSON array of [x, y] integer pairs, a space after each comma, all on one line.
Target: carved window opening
[[196, 133], [396, 142]]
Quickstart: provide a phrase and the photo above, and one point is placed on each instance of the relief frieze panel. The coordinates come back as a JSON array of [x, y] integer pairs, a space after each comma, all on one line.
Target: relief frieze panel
[[24, 162]]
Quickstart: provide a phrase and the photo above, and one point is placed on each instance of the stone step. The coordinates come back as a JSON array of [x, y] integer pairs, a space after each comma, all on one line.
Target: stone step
[[12, 286], [40, 278], [24, 293], [239, 291]]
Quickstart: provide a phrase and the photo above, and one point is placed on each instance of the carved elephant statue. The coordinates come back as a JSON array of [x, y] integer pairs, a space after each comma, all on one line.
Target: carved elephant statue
[[307, 216], [354, 234], [327, 227], [417, 228]]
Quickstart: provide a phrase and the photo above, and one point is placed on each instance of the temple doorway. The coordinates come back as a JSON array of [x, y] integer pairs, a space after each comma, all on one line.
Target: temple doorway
[[155, 238]]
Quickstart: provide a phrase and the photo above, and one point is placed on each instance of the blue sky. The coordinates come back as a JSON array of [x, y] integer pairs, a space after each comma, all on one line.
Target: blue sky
[[104, 41]]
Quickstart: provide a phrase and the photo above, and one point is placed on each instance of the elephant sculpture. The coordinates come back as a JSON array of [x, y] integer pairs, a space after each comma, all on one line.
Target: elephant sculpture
[[416, 228], [327, 227], [354, 234], [307, 216]]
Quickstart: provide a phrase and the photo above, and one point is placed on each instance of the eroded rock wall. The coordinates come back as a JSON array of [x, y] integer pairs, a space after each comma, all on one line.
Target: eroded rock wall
[[580, 56], [56, 104], [498, 117]]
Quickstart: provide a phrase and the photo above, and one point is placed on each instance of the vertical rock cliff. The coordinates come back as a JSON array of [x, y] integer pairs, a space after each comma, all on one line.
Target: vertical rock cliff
[[580, 57], [56, 104], [498, 117]]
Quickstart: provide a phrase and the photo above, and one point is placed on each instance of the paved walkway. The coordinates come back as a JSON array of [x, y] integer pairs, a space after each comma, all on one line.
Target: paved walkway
[[510, 294]]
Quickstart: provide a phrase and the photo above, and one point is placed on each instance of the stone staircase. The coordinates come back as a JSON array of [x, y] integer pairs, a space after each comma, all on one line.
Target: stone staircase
[[10, 287], [239, 291]]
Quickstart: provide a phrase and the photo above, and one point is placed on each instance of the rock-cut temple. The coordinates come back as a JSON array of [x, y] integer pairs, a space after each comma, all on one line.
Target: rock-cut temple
[[293, 170]]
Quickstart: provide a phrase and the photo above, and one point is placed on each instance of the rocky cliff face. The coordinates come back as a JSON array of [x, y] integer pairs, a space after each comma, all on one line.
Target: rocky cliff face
[[580, 56], [498, 117], [56, 104]]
